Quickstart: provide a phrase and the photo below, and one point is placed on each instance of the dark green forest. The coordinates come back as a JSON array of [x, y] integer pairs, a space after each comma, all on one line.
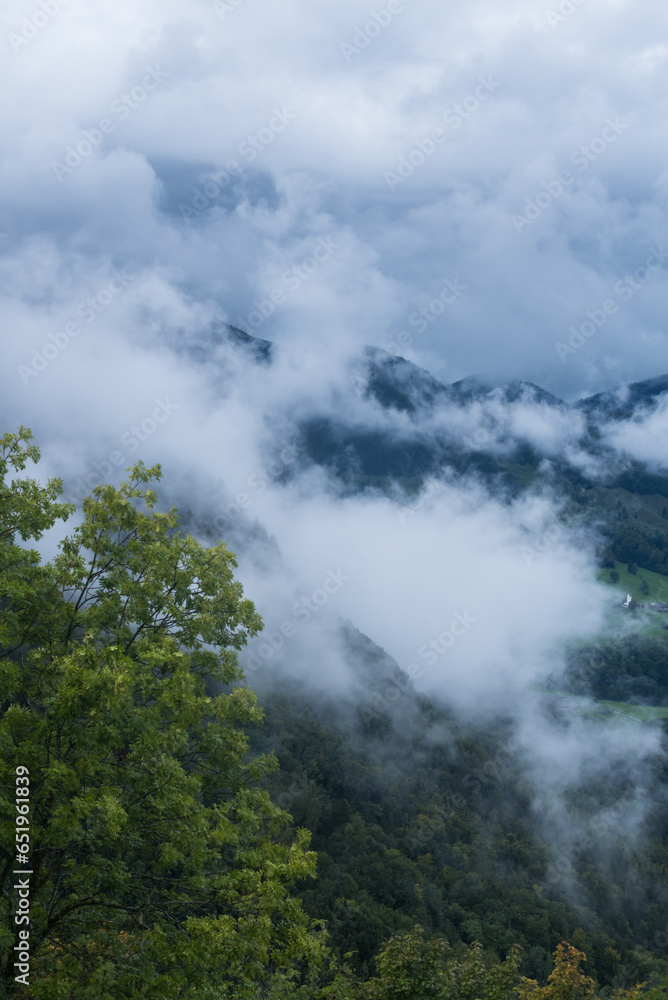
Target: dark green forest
[[189, 839], [417, 819]]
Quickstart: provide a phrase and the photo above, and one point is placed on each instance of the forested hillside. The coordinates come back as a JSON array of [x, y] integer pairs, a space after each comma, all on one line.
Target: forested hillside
[[184, 842], [418, 818]]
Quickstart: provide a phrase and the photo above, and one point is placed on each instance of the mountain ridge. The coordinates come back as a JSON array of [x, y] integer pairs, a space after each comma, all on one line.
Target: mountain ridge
[[387, 370]]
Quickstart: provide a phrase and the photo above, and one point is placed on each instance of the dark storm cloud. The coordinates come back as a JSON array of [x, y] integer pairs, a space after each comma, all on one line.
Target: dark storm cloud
[[517, 149]]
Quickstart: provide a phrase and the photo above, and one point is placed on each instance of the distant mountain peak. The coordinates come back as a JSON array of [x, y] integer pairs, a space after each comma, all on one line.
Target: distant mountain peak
[[481, 386], [621, 402], [261, 350], [399, 384]]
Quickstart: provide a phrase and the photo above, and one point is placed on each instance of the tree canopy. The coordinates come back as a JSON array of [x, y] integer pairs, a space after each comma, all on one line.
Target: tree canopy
[[158, 864]]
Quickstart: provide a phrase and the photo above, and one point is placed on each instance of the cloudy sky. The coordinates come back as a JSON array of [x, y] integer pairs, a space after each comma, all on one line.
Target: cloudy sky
[[515, 150], [480, 187]]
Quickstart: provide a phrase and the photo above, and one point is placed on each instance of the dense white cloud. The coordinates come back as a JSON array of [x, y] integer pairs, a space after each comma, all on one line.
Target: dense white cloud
[[344, 121], [412, 572], [644, 436]]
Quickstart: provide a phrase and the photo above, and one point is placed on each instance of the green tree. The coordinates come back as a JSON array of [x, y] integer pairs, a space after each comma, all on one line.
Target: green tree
[[568, 982], [159, 866], [412, 968], [409, 968]]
